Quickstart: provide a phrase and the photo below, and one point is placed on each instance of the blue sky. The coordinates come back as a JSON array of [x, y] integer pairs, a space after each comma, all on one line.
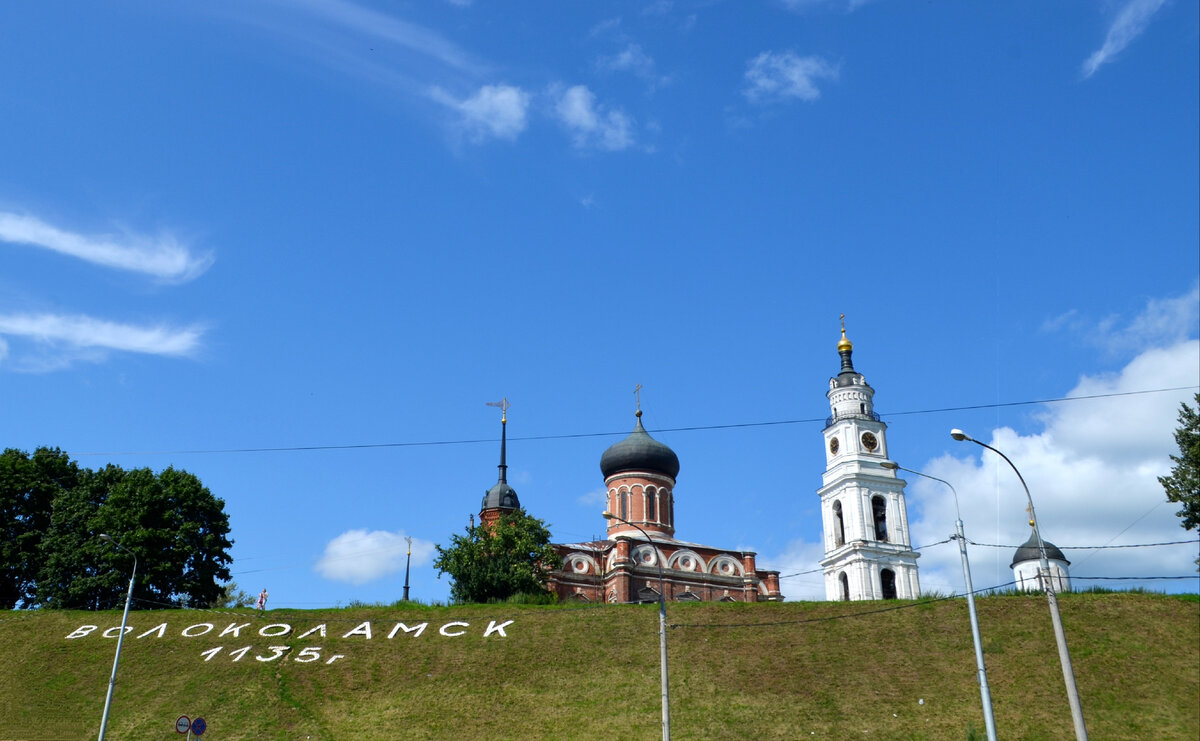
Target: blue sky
[[323, 224]]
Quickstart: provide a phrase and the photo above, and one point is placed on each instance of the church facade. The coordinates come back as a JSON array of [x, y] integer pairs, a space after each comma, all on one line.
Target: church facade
[[641, 550]]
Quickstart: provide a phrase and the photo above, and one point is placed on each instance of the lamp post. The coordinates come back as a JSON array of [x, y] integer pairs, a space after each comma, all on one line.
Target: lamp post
[[985, 694], [112, 680], [662, 629], [1064, 656]]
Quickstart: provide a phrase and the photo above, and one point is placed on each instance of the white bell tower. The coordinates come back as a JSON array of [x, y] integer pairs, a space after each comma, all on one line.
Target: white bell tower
[[868, 554]]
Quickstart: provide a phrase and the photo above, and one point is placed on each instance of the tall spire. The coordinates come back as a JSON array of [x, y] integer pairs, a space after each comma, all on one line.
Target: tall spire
[[501, 496], [503, 405]]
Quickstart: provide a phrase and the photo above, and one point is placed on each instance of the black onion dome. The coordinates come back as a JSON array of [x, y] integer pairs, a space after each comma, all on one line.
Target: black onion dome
[[501, 496], [1029, 552], [640, 452]]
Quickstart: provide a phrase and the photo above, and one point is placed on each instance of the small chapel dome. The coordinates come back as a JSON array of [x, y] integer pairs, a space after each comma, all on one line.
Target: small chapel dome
[[639, 452], [1028, 551], [845, 344], [501, 496]]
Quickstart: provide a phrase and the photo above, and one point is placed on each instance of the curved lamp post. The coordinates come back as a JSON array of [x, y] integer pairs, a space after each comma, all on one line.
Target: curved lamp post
[[662, 629], [112, 680], [1064, 656], [989, 720]]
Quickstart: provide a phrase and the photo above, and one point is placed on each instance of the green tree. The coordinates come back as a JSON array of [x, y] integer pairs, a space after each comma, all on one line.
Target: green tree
[[491, 563], [233, 596], [1183, 485], [175, 526], [29, 485]]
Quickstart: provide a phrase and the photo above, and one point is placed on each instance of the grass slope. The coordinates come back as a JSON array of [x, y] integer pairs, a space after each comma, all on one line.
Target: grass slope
[[788, 671]]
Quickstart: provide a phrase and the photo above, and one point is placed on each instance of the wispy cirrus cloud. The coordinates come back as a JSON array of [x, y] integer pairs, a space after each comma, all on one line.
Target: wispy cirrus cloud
[[1162, 321], [592, 125], [774, 76], [634, 60], [162, 257], [361, 556], [493, 112], [69, 337], [365, 23], [1129, 23]]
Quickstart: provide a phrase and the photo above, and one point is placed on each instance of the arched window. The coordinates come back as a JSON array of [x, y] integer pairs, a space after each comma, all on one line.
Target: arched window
[[879, 512], [624, 504], [651, 500], [887, 580], [839, 526], [845, 581]]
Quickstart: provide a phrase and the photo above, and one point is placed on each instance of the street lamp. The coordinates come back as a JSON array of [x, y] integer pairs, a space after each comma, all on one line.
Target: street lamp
[[985, 694], [662, 629], [1064, 656], [112, 680]]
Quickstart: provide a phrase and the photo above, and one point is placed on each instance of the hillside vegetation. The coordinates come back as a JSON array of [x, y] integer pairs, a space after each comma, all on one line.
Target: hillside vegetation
[[787, 671]]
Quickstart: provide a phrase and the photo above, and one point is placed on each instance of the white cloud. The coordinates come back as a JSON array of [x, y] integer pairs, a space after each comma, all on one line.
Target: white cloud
[[162, 257], [802, 5], [74, 333], [634, 60], [361, 556], [799, 570], [782, 75], [1092, 472], [594, 498], [1131, 20], [1163, 321], [387, 28], [496, 110], [591, 124]]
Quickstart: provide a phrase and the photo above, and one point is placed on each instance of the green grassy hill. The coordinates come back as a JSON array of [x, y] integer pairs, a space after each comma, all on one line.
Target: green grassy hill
[[786, 671]]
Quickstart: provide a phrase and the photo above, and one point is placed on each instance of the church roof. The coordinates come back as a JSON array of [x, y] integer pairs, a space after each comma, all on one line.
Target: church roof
[[639, 452], [1029, 552]]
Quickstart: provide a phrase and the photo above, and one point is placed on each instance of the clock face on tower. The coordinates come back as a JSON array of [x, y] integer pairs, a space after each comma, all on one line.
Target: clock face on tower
[[869, 441], [833, 445]]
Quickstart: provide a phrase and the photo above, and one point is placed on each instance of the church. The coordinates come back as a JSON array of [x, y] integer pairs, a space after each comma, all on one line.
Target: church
[[868, 552]]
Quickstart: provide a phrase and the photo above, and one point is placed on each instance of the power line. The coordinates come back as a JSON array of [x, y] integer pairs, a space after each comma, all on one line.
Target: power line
[[581, 435]]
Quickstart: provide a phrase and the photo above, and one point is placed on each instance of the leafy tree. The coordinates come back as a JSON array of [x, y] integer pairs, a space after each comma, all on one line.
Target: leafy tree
[[233, 596], [51, 511], [494, 562], [175, 526], [29, 485], [1183, 485]]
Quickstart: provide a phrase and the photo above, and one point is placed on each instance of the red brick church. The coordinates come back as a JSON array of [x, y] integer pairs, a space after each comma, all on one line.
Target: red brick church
[[639, 475]]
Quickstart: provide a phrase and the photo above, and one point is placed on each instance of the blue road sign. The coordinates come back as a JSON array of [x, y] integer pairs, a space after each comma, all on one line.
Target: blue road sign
[[198, 726]]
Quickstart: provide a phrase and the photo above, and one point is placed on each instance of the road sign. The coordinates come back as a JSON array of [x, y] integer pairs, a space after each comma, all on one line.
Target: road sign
[[183, 724], [198, 726]]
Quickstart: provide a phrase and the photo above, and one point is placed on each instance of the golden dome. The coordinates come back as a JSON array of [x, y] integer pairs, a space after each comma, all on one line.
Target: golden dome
[[844, 344]]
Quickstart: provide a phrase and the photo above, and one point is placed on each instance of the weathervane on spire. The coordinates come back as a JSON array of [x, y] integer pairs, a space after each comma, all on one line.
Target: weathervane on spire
[[503, 405]]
